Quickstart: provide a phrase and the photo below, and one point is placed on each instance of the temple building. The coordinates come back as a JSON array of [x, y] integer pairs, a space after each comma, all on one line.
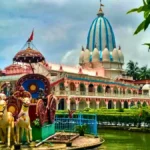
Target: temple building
[[98, 82]]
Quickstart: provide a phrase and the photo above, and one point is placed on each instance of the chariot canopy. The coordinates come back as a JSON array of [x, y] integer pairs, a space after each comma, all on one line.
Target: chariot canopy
[[29, 54]]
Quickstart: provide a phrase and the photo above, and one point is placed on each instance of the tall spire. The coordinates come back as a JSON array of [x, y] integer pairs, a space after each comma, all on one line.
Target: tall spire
[[100, 12]]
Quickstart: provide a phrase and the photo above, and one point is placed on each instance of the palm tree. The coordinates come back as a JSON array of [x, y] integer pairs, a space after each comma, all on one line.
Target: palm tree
[[133, 70], [144, 73]]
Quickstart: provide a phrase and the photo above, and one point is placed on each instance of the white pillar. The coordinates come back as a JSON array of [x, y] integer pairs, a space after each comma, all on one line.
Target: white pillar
[[115, 104], [77, 105], [97, 104], [88, 103], [68, 104], [129, 104], [107, 104], [122, 104]]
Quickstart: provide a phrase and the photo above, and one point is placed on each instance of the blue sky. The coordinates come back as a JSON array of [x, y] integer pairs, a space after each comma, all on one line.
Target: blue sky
[[61, 28]]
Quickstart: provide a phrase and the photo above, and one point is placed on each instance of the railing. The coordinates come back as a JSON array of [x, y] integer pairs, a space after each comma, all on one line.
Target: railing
[[63, 123], [83, 93]]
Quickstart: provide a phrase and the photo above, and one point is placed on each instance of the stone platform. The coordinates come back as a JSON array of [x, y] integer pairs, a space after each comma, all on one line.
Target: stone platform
[[80, 142]]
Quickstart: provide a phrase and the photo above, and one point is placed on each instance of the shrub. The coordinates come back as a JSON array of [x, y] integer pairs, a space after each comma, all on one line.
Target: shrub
[[120, 110]]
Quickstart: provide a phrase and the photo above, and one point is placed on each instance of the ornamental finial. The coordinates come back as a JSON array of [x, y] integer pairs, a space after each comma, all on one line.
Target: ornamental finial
[[100, 12]]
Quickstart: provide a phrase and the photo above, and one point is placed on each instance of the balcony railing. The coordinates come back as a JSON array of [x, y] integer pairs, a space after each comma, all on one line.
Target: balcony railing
[[84, 93]]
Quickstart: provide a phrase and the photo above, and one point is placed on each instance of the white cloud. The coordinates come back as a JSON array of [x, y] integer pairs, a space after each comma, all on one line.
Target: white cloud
[[71, 57]]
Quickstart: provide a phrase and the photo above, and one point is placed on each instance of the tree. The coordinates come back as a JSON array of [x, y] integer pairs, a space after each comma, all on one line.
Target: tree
[[145, 23], [133, 69], [144, 73]]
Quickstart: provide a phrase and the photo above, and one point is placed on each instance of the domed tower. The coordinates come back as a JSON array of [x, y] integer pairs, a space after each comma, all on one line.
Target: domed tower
[[101, 46]]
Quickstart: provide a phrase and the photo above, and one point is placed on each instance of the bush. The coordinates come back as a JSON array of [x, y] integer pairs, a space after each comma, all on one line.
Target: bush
[[120, 110], [87, 109]]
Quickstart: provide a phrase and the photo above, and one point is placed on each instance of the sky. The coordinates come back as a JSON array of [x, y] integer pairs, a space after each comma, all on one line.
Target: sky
[[61, 28]]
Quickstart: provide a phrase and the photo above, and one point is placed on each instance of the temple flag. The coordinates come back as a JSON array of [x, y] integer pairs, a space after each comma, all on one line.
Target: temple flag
[[31, 37]]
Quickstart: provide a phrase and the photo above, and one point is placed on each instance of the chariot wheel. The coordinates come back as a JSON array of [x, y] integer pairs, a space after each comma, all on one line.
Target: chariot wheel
[[52, 110]]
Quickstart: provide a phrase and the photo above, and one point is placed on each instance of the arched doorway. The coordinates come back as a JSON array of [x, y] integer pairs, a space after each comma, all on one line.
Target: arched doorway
[[62, 104], [82, 89], [93, 104], [118, 104], [125, 104], [72, 88], [144, 104], [129, 91], [110, 104], [82, 104], [115, 90], [62, 88], [72, 104], [107, 89], [132, 104], [99, 89], [139, 104], [102, 104], [91, 88]]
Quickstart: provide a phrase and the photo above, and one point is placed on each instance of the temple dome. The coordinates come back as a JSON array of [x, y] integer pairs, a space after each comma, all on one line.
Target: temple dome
[[106, 55], [86, 57], [115, 55], [101, 34], [95, 55]]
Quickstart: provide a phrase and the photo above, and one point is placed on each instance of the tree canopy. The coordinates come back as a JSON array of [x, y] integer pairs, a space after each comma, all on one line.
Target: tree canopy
[[145, 9], [136, 72]]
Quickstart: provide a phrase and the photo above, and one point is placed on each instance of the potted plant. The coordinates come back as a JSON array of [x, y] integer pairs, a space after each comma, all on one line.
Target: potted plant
[[81, 129]]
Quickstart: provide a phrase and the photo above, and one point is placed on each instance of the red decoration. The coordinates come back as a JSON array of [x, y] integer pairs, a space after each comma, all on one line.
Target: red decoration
[[70, 113], [31, 37]]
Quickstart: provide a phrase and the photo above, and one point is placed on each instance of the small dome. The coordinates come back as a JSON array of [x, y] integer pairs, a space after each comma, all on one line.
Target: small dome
[[81, 58], [121, 57], [95, 55], [115, 55], [86, 56], [146, 87], [106, 55]]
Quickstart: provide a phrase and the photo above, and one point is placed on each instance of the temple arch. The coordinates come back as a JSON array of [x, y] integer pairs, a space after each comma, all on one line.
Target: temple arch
[[62, 104], [107, 89], [72, 104], [82, 104], [102, 103], [93, 104], [110, 104], [115, 90], [91, 88], [118, 104], [100, 89], [126, 104], [82, 89]]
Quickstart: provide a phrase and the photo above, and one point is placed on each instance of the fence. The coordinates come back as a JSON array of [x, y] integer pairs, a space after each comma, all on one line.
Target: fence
[[64, 123]]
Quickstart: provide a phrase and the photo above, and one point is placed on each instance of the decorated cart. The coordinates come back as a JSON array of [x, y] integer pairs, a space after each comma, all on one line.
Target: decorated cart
[[42, 104]]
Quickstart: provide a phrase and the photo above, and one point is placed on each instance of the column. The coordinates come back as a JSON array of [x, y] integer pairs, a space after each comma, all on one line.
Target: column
[[122, 104], [129, 104], [107, 104], [97, 104], [95, 88], [104, 90], [68, 104], [57, 103], [135, 103], [88, 103], [112, 91], [87, 89], [77, 89], [77, 104], [114, 104]]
